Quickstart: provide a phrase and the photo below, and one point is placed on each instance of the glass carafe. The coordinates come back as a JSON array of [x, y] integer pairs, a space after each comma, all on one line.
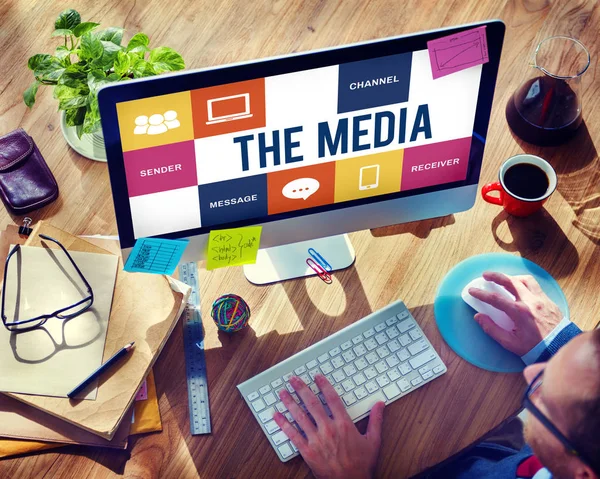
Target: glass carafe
[[546, 109]]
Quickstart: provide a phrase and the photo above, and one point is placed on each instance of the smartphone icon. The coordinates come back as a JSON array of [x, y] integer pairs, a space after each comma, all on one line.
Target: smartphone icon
[[369, 177]]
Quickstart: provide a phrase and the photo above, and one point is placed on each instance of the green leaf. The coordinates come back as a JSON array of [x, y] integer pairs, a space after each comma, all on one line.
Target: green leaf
[[113, 77], [138, 40], [36, 60], [49, 70], [62, 32], [91, 47], [75, 102], [74, 76], [122, 64], [62, 52], [84, 28], [64, 92], [112, 34], [67, 19], [165, 59], [142, 69], [75, 116], [109, 56], [92, 123], [29, 94], [95, 80]]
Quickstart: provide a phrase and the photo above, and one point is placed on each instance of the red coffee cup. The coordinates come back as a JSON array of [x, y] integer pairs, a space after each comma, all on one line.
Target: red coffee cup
[[525, 193]]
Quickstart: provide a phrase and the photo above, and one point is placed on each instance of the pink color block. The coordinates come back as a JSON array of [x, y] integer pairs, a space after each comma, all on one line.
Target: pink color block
[[160, 168], [435, 164], [457, 52], [142, 394]]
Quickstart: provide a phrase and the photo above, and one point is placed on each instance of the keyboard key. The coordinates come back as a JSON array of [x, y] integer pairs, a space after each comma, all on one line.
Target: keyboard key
[[394, 345], [393, 374], [330, 378], [361, 407], [314, 388], [393, 320], [289, 417], [350, 370], [403, 355], [277, 383], [348, 385], [349, 399], [360, 350], [285, 450], [357, 339], [313, 373], [281, 407], [370, 372], [405, 325], [380, 327], [361, 393], [258, 405], [294, 448], [416, 381], [381, 338], [402, 315], [427, 375], [359, 379], [422, 358], [404, 339], [279, 438], [371, 344], [425, 368], [347, 345], [270, 399], [368, 333], [335, 352], [405, 369], [326, 368], [348, 356], [382, 381], [372, 358], [381, 367], [253, 396], [322, 358], [265, 389], [339, 376], [339, 389], [438, 369], [383, 352], [290, 388], [337, 362], [404, 385], [300, 370], [416, 334], [287, 376], [391, 391], [278, 391], [311, 364], [267, 415], [371, 387], [392, 361], [306, 378], [417, 347], [272, 427], [392, 333], [360, 364]]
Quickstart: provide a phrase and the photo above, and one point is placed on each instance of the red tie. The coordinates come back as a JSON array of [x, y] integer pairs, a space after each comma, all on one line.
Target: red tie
[[529, 467]]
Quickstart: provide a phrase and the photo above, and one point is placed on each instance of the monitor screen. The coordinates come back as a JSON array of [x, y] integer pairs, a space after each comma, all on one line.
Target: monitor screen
[[294, 140]]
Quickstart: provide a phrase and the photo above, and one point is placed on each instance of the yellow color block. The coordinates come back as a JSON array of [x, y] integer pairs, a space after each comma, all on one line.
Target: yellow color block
[[370, 175]]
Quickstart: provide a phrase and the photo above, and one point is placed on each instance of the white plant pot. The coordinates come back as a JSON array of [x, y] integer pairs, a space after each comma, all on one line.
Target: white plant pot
[[89, 145]]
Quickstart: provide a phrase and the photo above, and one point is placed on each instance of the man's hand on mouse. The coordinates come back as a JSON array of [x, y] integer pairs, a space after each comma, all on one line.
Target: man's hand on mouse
[[331, 446], [534, 314]]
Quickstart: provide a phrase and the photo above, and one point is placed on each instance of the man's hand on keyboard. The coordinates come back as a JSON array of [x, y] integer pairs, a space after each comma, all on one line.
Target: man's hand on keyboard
[[534, 314], [332, 446]]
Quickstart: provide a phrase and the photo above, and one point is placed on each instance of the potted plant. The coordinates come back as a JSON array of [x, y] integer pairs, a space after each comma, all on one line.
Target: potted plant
[[86, 60]]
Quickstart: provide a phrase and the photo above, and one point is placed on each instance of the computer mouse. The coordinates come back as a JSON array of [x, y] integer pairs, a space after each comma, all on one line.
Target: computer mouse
[[499, 317]]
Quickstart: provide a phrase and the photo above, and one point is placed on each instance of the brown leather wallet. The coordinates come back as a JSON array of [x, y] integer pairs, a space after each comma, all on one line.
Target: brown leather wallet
[[26, 182]]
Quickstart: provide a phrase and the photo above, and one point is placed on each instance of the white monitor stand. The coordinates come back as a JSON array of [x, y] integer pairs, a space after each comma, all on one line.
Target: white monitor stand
[[289, 261]]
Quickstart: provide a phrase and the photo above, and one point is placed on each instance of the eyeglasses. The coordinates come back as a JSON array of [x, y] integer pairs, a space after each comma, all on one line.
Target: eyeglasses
[[533, 409], [67, 312]]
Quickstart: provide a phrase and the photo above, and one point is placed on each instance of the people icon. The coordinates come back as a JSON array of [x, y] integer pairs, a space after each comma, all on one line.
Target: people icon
[[156, 124]]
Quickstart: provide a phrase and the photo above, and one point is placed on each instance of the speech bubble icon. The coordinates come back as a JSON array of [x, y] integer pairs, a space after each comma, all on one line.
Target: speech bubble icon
[[300, 188]]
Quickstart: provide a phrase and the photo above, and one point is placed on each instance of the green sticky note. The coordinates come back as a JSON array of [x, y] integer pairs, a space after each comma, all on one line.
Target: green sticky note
[[233, 247]]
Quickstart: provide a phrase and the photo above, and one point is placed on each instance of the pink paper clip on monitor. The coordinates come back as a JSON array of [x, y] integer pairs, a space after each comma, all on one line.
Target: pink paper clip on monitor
[[310, 146]]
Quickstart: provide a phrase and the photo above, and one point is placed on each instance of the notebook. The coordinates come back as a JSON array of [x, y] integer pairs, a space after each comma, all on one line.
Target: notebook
[[145, 309]]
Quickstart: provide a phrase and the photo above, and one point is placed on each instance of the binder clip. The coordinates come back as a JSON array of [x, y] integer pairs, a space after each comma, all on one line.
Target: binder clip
[[25, 230]]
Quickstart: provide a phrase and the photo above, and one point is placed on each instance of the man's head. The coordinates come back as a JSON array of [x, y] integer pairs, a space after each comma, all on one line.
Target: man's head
[[570, 398]]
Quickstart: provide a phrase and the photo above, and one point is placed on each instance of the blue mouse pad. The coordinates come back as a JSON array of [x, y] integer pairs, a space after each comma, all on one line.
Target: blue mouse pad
[[455, 320]]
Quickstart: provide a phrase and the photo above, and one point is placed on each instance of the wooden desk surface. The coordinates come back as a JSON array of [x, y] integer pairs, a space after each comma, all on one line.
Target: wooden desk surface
[[406, 261]]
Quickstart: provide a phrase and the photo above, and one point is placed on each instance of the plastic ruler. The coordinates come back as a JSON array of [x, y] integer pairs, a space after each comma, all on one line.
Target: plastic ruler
[[195, 362]]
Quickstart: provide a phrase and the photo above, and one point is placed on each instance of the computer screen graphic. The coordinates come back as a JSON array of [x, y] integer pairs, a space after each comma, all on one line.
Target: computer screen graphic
[[289, 143]]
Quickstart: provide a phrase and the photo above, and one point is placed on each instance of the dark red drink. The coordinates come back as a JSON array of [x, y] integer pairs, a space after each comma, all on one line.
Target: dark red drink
[[544, 111]]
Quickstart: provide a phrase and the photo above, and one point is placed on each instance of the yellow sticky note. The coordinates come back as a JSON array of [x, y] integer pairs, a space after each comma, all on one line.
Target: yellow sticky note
[[233, 247]]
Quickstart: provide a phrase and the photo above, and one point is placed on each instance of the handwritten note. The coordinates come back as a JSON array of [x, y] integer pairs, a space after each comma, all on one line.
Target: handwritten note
[[155, 255], [233, 247], [457, 52]]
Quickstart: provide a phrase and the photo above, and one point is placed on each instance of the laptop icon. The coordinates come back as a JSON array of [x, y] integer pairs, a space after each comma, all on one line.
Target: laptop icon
[[228, 108]]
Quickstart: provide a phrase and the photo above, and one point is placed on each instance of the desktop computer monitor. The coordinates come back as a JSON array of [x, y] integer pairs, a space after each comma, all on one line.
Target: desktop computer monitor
[[308, 145]]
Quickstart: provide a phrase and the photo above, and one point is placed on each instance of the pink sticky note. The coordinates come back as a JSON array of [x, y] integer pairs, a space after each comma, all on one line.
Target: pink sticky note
[[142, 394], [457, 52]]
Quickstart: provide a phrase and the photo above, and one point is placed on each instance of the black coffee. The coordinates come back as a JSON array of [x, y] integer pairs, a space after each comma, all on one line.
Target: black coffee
[[526, 180]]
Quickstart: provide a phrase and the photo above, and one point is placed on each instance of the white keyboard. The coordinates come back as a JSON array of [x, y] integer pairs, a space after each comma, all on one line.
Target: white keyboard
[[381, 357]]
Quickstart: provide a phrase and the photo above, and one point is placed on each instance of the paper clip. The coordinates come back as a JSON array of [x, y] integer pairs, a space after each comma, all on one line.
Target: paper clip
[[321, 273], [319, 259]]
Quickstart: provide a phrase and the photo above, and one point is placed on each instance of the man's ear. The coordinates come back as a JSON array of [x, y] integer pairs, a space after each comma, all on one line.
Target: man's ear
[[583, 471]]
